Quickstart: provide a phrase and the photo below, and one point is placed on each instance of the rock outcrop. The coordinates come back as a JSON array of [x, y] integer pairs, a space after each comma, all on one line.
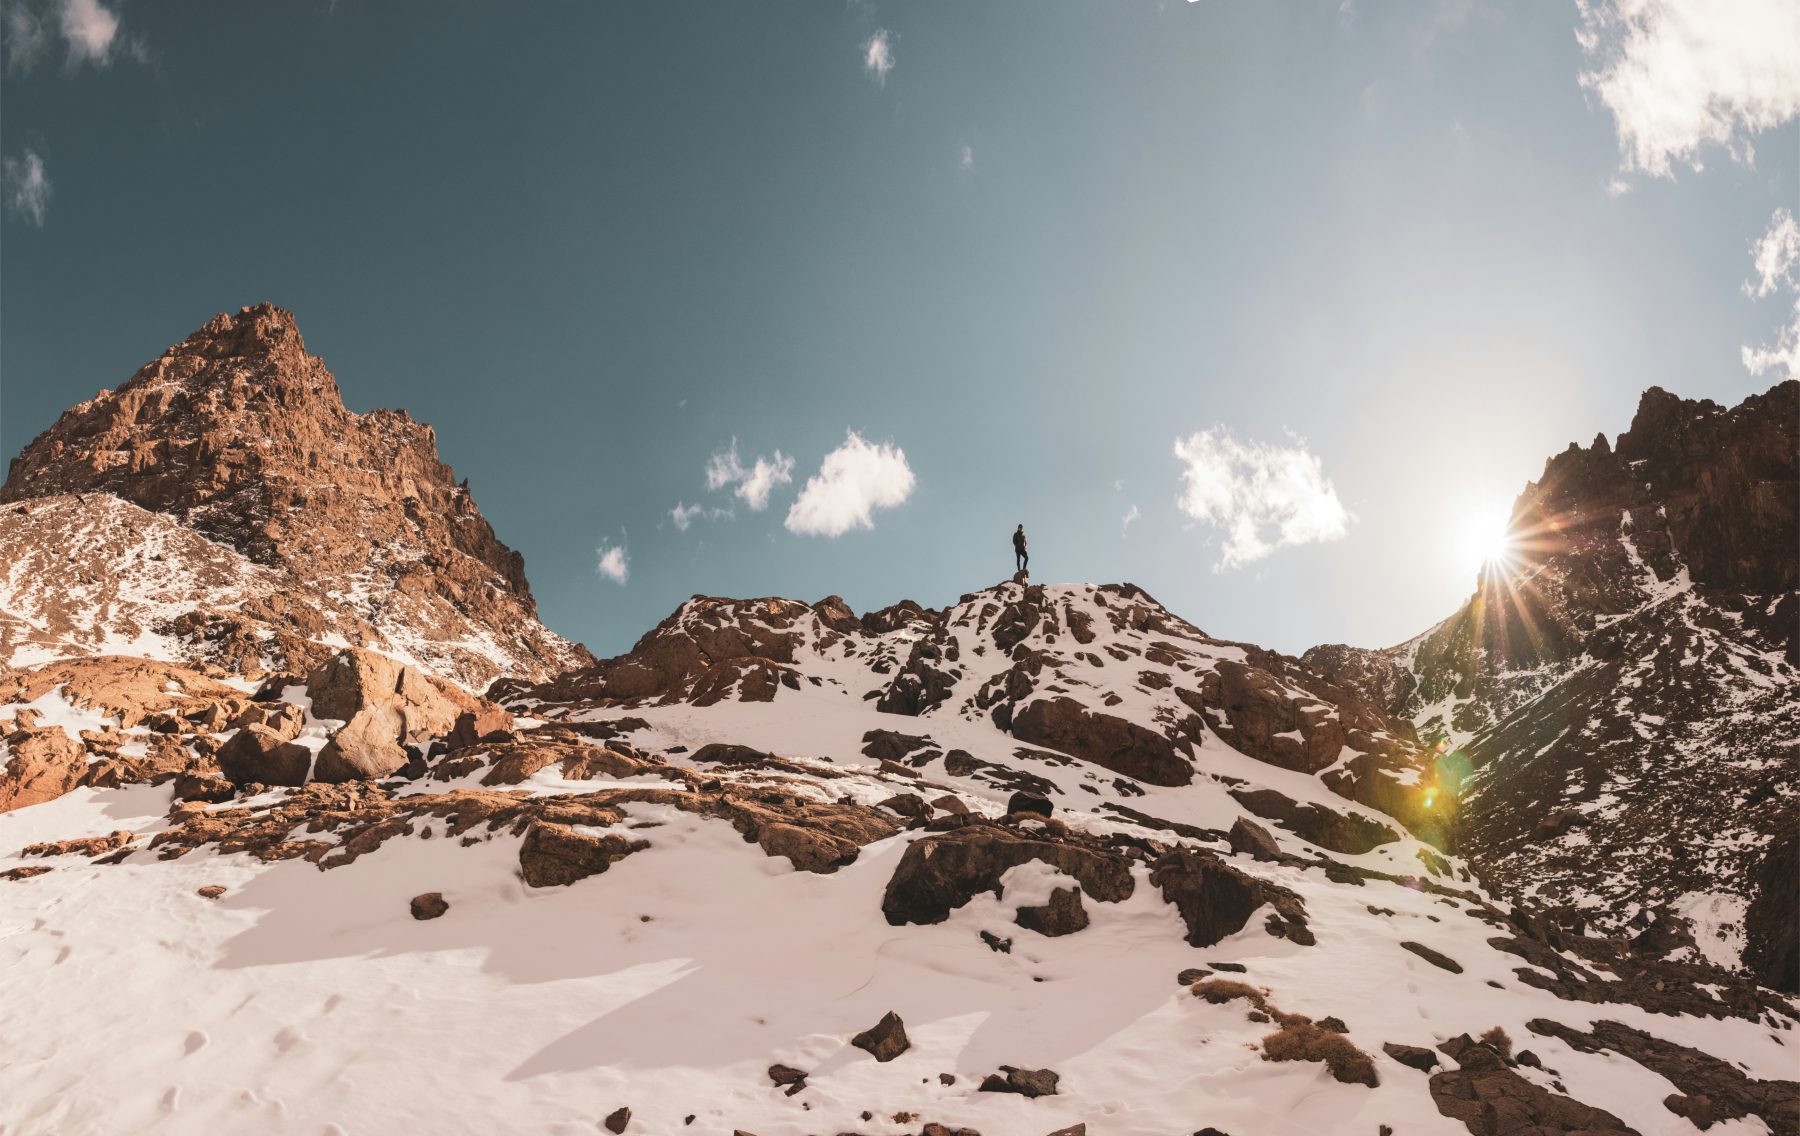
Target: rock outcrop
[[319, 520]]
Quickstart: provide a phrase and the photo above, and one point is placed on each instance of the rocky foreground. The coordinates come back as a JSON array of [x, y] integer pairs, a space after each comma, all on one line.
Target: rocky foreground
[[275, 856]]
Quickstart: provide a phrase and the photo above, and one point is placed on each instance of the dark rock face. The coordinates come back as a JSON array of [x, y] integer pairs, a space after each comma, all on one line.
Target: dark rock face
[[886, 1039], [1340, 832], [942, 872], [1490, 1098], [1111, 743], [239, 434], [1635, 678], [1772, 931], [1216, 900], [1709, 1086], [555, 855], [1062, 915]]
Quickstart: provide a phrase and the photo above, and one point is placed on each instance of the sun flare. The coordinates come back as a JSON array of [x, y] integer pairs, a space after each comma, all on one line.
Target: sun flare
[[1485, 538]]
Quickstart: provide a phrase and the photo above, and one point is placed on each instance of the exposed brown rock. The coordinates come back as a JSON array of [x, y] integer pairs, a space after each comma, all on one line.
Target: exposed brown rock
[[241, 435], [555, 855], [259, 755], [429, 905], [941, 872], [886, 1039], [1216, 900], [39, 765], [1111, 743], [1062, 915]]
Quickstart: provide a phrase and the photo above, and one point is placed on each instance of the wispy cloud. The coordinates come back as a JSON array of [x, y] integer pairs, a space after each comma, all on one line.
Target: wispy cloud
[[1259, 496], [89, 29], [612, 561], [755, 483], [684, 515], [878, 55], [853, 481], [1131, 515], [27, 186], [966, 159], [1682, 75], [25, 37], [1776, 257]]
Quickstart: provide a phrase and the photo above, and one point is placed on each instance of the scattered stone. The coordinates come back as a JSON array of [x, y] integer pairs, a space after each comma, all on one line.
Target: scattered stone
[[996, 943], [1192, 975], [1077, 1129], [210, 891], [617, 1120], [25, 873], [429, 906], [1253, 840], [886, 1039], [1412, 1056], [1441, 961], [1024, 1082], [788, 1077]]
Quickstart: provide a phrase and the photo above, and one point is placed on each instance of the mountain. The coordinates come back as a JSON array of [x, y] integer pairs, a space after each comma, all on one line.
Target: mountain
[[1050, 857], [223, 506], [1626, 691]]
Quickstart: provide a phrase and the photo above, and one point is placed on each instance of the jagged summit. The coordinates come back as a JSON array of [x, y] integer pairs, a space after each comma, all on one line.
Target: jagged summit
[[1632, 680], [240, 435]]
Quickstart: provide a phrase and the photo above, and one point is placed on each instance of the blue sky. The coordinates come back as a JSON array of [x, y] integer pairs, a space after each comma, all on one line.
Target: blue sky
[[1306, 291]]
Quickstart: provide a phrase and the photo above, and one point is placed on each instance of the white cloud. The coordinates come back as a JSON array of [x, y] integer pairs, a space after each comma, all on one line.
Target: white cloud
[[1776, 256], [878, 55], [1131, 515], [685, 515], [614, 562], [90, 29], [967, 159], [27, 187], [1260, 496], [754, 484], [853, 481], [1682, 75]]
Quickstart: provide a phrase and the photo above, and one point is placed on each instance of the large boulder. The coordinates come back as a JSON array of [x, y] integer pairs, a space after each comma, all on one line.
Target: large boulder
[[258, 754], [942, 872], [353, 680], [38, 765], [1109, 742], [1216, 900], [366, 748], [555, 855]]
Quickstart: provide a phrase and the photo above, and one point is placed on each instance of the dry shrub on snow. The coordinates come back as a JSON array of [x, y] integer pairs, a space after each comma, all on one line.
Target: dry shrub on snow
[[1301, 1040]]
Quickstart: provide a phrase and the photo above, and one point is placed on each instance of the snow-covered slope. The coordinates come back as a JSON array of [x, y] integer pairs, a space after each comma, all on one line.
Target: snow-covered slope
[[687, 900]]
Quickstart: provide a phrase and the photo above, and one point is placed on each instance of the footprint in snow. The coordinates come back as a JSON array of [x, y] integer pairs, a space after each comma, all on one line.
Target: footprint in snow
[[196, 1041]]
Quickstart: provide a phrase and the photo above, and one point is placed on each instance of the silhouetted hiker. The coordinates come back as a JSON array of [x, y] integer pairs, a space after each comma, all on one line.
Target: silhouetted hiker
[[1020, 556]]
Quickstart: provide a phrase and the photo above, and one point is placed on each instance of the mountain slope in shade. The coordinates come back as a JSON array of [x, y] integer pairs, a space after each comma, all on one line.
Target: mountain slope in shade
[[1627, 693], [331, 523]]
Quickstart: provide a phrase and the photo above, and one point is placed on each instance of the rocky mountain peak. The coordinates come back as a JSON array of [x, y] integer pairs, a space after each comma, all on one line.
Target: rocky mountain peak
[[240, 434]]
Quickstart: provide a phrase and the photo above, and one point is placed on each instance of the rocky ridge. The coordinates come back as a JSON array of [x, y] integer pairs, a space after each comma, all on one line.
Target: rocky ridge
[[1624, 696]]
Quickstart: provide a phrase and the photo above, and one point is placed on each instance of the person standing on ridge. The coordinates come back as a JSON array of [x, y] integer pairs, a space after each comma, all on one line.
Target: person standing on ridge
[[1020, 556]]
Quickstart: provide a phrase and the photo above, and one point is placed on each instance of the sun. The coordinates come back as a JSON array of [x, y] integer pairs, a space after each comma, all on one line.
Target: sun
[[1485, 538]]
